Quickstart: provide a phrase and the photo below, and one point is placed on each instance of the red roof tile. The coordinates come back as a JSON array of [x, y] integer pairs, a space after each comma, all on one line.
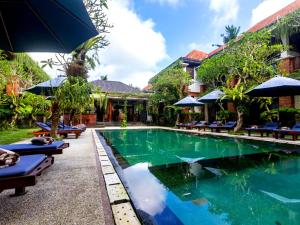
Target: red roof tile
[[197, 55], [147, 88], [267, 22]]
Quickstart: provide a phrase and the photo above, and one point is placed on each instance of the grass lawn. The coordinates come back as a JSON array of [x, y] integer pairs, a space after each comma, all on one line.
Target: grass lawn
[[14, 135]]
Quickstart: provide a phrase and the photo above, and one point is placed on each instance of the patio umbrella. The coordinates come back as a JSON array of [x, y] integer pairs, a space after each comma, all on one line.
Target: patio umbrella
[[188, 102], [211, 97], [44, 26], [276, 87], [47, 88]]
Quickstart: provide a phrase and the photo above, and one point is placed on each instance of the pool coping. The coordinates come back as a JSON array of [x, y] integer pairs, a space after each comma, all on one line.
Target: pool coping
[[118, 199]]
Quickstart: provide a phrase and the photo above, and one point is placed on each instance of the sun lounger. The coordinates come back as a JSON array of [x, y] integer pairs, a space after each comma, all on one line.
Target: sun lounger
[[201, 125], [63, 126], [295, 131], [46, 130], [187, 125], [230, 125], [267, 128], [24, 173], [29, 149]]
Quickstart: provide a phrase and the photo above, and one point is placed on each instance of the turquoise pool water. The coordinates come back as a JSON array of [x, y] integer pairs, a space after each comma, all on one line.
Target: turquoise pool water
[[219, 189]]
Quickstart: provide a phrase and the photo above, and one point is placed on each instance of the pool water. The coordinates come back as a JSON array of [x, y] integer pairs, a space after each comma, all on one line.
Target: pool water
[[178, 178]]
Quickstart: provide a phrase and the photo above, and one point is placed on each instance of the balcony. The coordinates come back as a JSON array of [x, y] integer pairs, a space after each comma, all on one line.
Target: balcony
[[194, 86]]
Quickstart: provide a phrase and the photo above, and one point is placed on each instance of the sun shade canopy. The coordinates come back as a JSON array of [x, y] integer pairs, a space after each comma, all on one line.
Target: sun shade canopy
[[44, 25], [276, 86], [211, 96], [188, 102]]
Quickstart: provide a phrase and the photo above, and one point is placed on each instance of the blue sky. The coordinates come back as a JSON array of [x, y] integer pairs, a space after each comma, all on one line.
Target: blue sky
[[189, 22], [148, 35]]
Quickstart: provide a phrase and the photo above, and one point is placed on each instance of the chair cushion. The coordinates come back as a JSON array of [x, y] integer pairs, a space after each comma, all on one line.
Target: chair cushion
[[8, 158], [30, 147], [43, 126], [23, 167]]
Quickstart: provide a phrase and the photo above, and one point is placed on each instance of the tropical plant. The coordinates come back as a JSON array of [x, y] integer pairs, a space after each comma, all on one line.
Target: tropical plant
[[224, 115], [231, 33], [124, 119], [168, 88]]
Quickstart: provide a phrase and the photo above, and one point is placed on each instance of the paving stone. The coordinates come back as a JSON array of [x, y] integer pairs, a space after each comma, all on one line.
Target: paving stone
[[103, 158], [124, 214], [102, 153], [111, 179], [106, 163], [108, 170], [117, 193]]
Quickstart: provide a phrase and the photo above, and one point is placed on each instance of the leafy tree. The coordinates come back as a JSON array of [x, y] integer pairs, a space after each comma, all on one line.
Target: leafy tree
[[231, 33], [242, 64], [213, 71], [169, 87], [249, 62]]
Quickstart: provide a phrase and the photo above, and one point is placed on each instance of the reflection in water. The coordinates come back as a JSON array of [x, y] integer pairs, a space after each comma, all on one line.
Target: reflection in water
[[281, 198], [149, 194]]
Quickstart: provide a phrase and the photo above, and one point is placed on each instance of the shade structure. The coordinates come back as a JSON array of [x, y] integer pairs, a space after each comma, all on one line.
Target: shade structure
[[212, 97], [276, 87], [188, 102], [44, 25], [47, 88]]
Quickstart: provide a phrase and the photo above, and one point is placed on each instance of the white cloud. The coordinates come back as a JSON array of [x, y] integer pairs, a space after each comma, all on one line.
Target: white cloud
[[204, 47], [225, 11], [267, 8], [135, 47]]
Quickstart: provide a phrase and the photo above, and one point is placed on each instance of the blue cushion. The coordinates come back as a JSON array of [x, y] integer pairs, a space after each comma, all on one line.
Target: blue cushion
[[23, 167], [43, 126], [30, 147]]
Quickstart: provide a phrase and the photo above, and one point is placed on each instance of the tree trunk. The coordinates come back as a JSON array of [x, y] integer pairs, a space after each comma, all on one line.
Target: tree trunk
[[54, 119], [240, 121], [177, 119]]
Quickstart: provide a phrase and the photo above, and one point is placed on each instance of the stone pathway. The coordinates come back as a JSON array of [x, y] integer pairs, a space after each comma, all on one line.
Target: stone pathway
[[69, 192]]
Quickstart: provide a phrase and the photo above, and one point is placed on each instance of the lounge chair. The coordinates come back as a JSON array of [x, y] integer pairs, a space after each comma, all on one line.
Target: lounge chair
[[268, 128], [294, 131], [201, 125], [64, 126], [29, 149], [187, 125], [46, 130], [24, 173], [230, 125]]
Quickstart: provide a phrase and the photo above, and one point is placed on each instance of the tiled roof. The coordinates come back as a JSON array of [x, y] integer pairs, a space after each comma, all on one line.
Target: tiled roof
[[147, 88], [115, 87], [197, 55], [267, 21]]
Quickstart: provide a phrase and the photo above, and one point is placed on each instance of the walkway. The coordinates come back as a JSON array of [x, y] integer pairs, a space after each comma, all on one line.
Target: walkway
[[68, 192]]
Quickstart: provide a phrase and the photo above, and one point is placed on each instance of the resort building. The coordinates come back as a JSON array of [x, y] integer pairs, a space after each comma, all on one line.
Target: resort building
[[118, 94], [289, 60]]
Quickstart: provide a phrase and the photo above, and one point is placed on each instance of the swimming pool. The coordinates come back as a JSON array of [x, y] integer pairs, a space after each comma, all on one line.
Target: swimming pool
[[179, 178]]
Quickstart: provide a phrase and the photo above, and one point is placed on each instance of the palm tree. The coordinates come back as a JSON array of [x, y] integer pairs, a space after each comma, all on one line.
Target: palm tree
[[231, 33]]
